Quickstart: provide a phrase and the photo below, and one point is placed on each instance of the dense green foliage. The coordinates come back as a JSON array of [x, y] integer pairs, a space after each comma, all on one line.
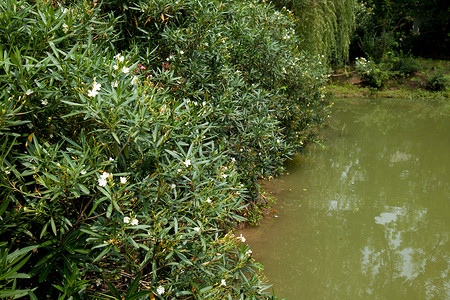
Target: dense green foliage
[[398, 67], [324, 27], [133, 134], [437, 82], [417, 27]]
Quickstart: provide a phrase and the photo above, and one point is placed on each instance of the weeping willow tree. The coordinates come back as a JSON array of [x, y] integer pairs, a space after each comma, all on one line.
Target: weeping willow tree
[[325, 26]]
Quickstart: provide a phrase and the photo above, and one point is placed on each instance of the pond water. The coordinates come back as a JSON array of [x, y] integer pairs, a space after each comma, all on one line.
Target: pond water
[[366, 217]]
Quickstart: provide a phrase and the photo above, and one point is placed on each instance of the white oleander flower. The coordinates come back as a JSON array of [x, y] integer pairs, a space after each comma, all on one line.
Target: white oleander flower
[[119, 57], [160, 290], [242, 238], [123, 180], [96, 86], [106, 175], [92, 93], [134, 222], [187, 163], [126, 220], [95, 89], [102, 182]]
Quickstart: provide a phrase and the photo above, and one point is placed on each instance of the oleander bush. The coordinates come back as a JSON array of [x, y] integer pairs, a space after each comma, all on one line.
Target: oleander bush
[[133, 136]]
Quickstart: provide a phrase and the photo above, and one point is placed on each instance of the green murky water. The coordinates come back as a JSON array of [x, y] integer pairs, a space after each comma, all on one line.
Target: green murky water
[[368, 216]]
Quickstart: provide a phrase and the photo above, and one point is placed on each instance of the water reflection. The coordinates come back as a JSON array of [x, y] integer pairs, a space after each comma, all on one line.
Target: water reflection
[[368, 217]]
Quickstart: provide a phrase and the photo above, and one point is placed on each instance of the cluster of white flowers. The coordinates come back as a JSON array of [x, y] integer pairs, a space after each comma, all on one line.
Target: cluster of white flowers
[[95, 89], [102, 180], [120, 59], [128, 220], [363, 65]]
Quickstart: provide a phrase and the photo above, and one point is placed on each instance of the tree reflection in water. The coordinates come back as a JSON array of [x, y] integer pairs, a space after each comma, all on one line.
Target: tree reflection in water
[[367, 217]]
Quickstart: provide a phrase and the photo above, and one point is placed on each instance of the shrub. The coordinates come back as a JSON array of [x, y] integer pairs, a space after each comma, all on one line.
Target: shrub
[[374, 74], [405, 66], [133, 135], [437, 82]]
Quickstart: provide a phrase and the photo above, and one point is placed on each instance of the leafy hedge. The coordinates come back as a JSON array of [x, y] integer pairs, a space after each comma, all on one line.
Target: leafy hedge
[[133, 135]]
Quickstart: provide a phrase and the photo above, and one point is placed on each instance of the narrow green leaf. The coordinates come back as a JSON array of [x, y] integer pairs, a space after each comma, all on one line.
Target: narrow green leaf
[[83, 188], [113, 289], [14, 269], [139, 295], [53, 225], [135, 245], [55, 51], [5, 293], [205, 289], [4, 205], [134, 285], [103, 253], [115, 137], [109, 210], [20, 252]]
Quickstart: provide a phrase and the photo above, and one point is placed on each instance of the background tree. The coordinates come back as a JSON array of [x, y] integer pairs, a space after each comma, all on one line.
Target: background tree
[[324, 26], [415, 27]]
